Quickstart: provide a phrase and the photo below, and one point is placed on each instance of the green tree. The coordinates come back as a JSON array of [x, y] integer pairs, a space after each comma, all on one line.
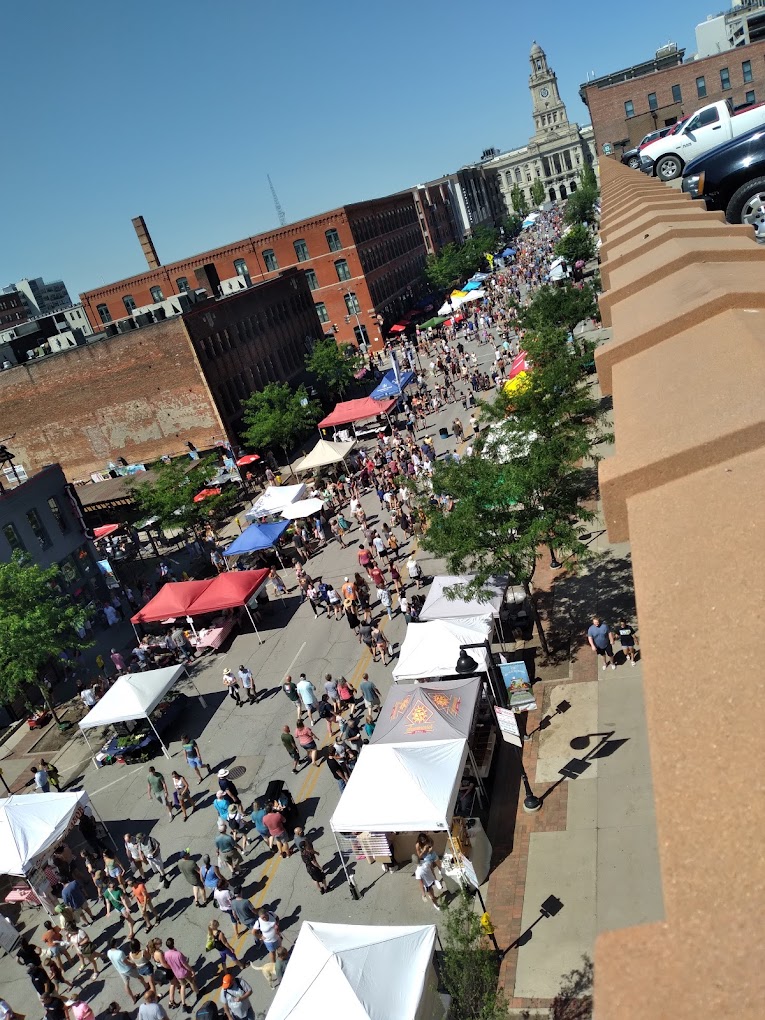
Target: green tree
[[537, 192], [37, 622], [469, 970], [444, 269], [561, 307], [517, 197], [169, 495], [512, 225], [527, 488], [576, 244], [278, 416], [333, 366], [580, 207]]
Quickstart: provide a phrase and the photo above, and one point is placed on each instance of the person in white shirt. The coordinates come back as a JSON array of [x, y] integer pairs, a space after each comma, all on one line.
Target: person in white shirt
[[424, 875]]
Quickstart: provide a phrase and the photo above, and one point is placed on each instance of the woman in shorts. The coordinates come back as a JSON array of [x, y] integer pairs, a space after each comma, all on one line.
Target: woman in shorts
[[141, 960], [182, 795]]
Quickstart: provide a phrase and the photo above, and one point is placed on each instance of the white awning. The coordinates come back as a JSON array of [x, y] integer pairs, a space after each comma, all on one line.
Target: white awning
[[432, 649], [274, 500], [134, 696], [439, 607], [32, 823], [402, 787], [359, 972], [323, 454]]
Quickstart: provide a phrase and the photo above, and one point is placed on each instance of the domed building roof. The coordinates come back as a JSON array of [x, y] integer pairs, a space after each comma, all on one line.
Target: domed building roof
[[536, 49]]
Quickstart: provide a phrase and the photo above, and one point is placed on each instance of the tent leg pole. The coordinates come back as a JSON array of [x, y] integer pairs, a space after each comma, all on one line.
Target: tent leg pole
[[164, 749], [348, 879], [93, 757], [501, 633], [108, 830], [252, 621], [135, 632], [479, 781], [202, 701]]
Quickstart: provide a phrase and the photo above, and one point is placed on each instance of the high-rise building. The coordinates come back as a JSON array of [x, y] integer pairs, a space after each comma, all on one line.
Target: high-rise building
[[39, 297]]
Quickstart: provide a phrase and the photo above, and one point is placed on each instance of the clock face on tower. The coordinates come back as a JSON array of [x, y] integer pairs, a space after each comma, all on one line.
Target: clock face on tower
[[544, 93]]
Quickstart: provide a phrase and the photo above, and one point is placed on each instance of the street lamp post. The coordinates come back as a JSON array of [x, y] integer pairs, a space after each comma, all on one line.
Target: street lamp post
[[466, 665]]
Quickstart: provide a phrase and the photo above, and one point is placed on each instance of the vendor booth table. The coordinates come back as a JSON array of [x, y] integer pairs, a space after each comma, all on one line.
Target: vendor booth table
[[360, 972], [134, 696]]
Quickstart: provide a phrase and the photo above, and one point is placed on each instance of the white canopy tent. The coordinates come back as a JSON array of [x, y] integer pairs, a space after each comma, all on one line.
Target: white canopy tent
[[402, 787], [134, 696], [33, 823], [302, 508], [438, 606], [431, 649], [274, 500], [366, 972], [324, 454]]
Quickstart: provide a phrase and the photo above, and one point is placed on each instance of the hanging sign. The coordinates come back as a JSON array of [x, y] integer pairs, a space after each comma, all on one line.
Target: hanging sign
[[520, 697], [508, 726]]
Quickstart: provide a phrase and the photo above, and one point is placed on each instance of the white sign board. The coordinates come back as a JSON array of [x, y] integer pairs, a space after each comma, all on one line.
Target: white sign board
[[508, 726]]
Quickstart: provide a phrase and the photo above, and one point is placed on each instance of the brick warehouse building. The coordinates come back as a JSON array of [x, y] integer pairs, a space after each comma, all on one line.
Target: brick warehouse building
[[144, 392], [363, 263], [627, 104]]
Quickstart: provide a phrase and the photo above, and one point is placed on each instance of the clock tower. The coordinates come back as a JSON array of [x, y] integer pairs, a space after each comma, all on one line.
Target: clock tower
[[547, 106]]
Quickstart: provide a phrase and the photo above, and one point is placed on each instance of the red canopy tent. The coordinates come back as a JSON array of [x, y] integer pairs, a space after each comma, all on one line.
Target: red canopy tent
[[520, 364], [229, 590], [249, 458], [173, 599], [206, 493], [356, 410], [105, 529]]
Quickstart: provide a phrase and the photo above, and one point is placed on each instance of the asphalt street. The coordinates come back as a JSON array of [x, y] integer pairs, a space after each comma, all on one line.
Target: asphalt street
[[246, 741]]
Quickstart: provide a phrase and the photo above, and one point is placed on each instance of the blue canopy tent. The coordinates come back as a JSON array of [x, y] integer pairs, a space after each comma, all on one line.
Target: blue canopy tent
[[389, 387], [257, 536], [472, 285]]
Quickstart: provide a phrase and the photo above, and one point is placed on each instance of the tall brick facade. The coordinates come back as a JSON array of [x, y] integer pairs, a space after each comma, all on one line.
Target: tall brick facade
[[607, 102], [364, 264], [146, 392]]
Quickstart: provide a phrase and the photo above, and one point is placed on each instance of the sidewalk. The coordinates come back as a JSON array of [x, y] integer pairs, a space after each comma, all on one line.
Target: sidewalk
[[593, 846]]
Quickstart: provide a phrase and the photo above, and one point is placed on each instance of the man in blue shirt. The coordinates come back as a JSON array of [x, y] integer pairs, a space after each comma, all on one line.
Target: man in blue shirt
[[600, 638], [73, 896], [257, 816]]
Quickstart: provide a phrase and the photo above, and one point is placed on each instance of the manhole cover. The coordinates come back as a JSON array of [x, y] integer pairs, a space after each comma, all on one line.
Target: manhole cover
[[236, 772]]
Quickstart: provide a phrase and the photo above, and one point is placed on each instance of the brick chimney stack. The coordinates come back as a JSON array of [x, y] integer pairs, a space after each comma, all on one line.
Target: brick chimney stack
[[147, 245]]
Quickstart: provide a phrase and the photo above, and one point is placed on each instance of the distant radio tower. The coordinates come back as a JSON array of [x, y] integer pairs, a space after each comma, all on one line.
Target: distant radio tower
[[279, 210]]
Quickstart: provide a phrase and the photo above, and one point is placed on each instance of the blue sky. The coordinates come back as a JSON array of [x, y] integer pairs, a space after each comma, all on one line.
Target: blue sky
[[177, 111]]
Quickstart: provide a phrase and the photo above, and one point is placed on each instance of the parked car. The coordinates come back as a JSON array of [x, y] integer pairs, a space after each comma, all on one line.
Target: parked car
[[732, 178], [631, 157], [705, 129]]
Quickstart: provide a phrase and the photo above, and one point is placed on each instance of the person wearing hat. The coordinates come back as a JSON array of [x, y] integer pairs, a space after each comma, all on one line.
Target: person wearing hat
[[235, 998], [231, 684], [228, 788]]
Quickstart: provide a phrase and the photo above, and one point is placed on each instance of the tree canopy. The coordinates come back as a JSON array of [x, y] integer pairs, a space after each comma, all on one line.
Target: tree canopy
[[537, 191], [333, 366], [455, 263], [560, 307], [580, 207], [37, 622], [278, 416], [170, 494], [470, 970], [518, 198], [576, 244]]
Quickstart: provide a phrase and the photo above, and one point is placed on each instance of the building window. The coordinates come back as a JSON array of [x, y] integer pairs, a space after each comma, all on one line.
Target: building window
[[342, 270], [240, 267], [701, 87], [750, 97], [724, 78], [746, 68], [629, 109], [58, 515], [362, 337], [270, 260], [333, 240], [352, 304], [156, 294], [653, 103], [310, 276], [13, 538], [518, 174], [129, 303], [301, 250], [321, 311], [104, 313], [38, 529], [677, 94], [183, 285]]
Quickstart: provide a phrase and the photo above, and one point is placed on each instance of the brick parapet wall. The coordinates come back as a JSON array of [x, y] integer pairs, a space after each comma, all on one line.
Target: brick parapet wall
[[686, 487]]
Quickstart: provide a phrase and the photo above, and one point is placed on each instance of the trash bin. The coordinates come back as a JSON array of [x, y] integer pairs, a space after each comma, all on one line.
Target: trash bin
[[443, 433]]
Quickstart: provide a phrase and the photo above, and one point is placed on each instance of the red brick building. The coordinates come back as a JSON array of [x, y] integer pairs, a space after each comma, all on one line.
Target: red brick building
[[146, 391], [627, 104], [363, 264]]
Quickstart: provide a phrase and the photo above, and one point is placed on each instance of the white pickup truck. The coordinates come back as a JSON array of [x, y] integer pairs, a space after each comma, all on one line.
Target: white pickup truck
[[704, 130]]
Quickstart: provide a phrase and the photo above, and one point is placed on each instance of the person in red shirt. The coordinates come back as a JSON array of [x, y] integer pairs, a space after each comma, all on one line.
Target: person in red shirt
[[377, 576], [276, 824], [365, 558]]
